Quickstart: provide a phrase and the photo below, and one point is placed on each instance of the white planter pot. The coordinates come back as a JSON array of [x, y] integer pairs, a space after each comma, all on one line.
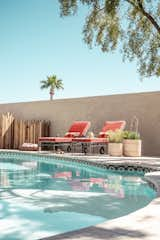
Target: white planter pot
[[115, 149], [132, 147]]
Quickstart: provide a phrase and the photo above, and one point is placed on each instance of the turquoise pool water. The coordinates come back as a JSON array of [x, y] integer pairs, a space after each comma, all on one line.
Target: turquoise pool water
[[40, 198]]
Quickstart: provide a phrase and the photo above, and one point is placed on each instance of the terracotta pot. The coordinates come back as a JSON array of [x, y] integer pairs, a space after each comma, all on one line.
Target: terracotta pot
[[115, 149], [132, 147]]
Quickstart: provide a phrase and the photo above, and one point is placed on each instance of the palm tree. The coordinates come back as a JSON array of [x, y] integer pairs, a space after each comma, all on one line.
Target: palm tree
[[53, 83]]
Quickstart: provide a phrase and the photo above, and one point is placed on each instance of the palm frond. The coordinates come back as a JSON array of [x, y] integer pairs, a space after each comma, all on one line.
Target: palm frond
[[59, 84], [44, 84]]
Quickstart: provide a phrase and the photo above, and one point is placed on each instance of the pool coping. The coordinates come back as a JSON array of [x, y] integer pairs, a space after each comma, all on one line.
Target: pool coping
[[141, 224]]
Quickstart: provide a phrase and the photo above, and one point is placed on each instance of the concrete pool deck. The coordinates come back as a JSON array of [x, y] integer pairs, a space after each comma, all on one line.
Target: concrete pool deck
[[141, 224]]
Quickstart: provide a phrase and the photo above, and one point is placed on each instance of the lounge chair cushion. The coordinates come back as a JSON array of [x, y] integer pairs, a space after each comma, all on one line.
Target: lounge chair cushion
[[111, 125], [90, 140], [81, 127]]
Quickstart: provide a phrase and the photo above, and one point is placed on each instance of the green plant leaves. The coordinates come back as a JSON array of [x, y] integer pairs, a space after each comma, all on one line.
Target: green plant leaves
[[129, 25], [118, 135]]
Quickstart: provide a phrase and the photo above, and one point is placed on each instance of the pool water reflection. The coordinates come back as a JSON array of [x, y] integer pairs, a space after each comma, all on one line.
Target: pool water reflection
[[57, 197]]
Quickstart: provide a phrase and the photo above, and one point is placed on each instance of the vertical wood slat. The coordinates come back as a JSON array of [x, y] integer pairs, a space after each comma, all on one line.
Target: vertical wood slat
[[15, 135], [1, 139], [6, 130]]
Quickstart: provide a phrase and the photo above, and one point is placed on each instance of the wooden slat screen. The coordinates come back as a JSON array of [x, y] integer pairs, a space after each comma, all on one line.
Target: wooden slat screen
[[14, 132]]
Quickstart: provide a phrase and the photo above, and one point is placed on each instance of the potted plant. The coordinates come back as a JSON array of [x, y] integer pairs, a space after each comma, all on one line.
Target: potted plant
[[115, 146], [132, 144]]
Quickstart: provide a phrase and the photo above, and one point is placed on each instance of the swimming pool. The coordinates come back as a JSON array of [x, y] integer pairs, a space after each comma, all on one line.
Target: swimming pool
[[44, 196]]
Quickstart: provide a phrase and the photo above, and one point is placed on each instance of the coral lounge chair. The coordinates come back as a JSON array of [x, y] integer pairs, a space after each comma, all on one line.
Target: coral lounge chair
[[101, 140], [77, 129]]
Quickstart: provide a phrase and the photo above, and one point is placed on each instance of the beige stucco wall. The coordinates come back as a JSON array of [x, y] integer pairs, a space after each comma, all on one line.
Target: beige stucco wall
[[98, 109]]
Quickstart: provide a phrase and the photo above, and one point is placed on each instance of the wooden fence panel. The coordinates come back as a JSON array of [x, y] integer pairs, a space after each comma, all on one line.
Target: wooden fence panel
[[13, 132]]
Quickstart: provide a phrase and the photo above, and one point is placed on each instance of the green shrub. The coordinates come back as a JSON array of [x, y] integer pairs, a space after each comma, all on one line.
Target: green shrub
[[115, 136], [131, 135]]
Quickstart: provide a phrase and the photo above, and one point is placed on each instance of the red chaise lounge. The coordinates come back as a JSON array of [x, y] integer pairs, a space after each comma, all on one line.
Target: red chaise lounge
[[77, 129], [88, 143]]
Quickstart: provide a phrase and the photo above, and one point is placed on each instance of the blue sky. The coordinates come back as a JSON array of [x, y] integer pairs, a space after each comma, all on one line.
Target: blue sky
[[36, 42]]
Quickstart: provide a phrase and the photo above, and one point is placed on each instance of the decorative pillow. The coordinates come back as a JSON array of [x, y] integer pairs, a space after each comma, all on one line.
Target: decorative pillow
[[29, 145], [72, 134], [25, 145], [102, 134], [90, 135]]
